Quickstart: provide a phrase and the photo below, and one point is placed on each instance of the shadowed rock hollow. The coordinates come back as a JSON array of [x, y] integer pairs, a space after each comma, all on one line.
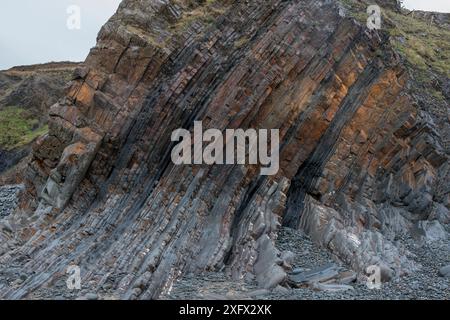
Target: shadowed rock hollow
[[360, 161]]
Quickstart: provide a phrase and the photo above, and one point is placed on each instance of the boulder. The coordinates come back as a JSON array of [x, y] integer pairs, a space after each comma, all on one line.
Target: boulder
[[445, 271]]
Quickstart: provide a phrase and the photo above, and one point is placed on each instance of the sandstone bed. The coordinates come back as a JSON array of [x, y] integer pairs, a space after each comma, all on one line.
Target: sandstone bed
[[364, 158]]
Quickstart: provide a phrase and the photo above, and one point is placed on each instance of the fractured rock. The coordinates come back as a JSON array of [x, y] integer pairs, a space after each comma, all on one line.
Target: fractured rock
[[360, 162], [433, 230], [321, 274]]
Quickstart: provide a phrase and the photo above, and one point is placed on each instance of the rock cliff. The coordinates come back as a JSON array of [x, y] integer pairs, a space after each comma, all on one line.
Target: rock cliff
[[363, 160]]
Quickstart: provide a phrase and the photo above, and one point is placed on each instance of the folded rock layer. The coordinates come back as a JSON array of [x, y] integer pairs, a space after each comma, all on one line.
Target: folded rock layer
[[358, 161]]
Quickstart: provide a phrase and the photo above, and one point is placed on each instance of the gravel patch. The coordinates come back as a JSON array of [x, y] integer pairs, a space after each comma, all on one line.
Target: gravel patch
[[8, 199], [425, 284]]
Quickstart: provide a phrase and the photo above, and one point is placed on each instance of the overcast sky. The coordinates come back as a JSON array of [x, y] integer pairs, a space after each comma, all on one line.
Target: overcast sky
[[35, 31], [428, 5]]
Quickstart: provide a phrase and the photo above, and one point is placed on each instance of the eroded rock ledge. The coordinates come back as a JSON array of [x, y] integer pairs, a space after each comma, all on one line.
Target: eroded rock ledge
[[359, 160]]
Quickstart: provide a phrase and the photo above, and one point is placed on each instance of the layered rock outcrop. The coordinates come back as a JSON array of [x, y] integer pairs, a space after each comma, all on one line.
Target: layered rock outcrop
[[360, 162]]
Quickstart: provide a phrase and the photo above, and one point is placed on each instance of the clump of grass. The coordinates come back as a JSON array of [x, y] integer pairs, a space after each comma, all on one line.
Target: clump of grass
[[241, 42], [204, 13], [356, 10], [424, 45], [18, 128]]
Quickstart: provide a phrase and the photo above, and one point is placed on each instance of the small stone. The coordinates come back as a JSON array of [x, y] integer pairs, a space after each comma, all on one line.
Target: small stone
[[91, 296], [321, 274], [258, 293], [287, 258], [445, 271], [107, 286], [282, 290], [331, 287], [347, 277]]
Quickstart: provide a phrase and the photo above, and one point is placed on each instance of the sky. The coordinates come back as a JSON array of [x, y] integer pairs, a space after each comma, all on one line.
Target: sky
[[37, 31], [428, 5]]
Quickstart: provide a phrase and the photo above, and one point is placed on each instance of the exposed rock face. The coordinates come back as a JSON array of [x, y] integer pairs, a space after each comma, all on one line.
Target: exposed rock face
[[360, 162], [33, 89]]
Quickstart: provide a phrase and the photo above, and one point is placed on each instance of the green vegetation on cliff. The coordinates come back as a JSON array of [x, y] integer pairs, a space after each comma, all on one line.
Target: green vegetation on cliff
[[423, 43], [204, 12], [18, 128]]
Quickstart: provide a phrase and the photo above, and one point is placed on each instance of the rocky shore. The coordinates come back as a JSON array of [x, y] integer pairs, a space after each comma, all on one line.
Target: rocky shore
[[425, 284]]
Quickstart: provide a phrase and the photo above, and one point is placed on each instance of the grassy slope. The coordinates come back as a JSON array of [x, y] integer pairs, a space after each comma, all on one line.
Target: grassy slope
[[21, 118], [423, 44], [18, 128], [204, 13]]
